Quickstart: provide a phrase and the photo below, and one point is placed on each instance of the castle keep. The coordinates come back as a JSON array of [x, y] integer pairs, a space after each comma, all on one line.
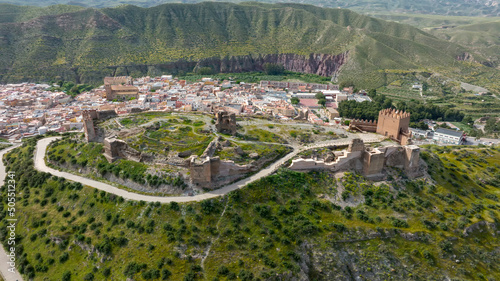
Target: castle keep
[[394, 124]]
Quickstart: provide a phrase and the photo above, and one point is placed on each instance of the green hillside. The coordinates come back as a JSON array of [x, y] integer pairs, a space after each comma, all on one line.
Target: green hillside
[[86, 45], [12, 13], [285, 226], [482, 38], [456, 7]]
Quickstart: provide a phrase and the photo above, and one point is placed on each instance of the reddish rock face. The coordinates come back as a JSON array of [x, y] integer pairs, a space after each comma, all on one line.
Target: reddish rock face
[[320, 64]]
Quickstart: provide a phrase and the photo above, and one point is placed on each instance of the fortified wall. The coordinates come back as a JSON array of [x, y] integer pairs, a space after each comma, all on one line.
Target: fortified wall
[[363, 125], [366, 160], [209, 171], [88, 125]]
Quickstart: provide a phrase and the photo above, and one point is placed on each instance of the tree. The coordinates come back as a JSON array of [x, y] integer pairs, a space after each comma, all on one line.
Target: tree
[[295, 100], [319, 96], [274, 69], [467, 120], [372, 93], [425, 86], [492, 125], [66, 276], [205, 70], [321, 99]]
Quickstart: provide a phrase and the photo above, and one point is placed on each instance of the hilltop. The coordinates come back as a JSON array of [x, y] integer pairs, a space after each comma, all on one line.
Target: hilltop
[[308, 226], [84, 45]]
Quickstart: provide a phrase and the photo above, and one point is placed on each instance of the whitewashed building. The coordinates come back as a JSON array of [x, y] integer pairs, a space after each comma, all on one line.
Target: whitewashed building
[[447, 136]]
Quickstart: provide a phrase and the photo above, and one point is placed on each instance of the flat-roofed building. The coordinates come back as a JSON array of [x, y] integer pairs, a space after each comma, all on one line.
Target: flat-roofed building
[[447, 136]]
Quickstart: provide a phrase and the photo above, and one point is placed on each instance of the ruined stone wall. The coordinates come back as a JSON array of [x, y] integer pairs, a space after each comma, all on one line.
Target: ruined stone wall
[[211, 148], [200, 172], [106, 114], [356, 145], [115, 149], [209, 172], [373, 162], [412, 163], [363, 125], [370, 162]]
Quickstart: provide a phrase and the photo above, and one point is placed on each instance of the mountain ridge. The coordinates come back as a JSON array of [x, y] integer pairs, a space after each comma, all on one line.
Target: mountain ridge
[[88, 44], [455, 8]]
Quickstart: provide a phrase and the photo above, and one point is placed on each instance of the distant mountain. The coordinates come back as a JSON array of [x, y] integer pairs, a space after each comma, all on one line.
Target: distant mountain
[[437, 7], [85, 45]]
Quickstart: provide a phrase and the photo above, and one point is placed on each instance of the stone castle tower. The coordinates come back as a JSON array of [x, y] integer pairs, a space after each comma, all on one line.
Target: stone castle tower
[[88, 125], [394, 124], [225, 122]]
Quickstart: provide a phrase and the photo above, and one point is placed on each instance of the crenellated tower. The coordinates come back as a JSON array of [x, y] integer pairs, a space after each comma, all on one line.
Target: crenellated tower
[[394, 124]]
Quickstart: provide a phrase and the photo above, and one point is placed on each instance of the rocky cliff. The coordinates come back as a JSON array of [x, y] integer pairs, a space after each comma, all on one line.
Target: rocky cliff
[[320, 64]]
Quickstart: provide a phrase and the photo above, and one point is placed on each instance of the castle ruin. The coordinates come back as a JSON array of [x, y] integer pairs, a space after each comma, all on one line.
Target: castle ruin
[[211, 171], [88, 125], [367, 160], [91, 131], [391, 123], [115, 149], [225, 122]]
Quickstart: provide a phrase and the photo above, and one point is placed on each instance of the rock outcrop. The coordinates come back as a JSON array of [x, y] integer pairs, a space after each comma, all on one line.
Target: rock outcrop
[[320, 64]]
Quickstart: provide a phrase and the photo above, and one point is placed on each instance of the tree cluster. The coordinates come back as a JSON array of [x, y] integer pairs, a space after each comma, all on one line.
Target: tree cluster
[[418, 110], [274, 69]]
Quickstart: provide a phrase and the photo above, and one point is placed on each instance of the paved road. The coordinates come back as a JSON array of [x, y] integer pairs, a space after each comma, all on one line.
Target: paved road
[[40, 165], [6, 274]]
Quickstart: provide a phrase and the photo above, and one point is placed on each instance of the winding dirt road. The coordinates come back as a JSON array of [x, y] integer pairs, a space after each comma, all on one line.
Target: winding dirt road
[[40, 165]]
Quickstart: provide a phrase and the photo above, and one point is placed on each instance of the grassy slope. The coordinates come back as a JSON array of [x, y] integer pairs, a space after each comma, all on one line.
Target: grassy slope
[[13, 13], [263, 225], [483, 38]]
